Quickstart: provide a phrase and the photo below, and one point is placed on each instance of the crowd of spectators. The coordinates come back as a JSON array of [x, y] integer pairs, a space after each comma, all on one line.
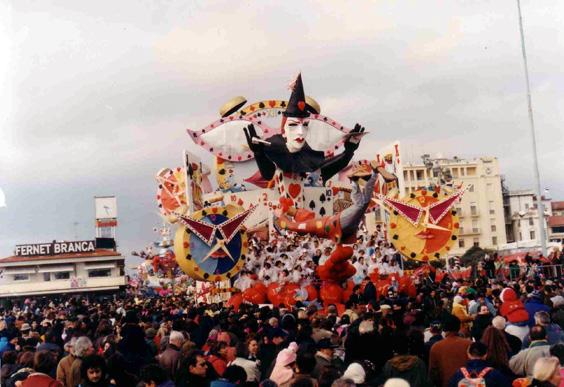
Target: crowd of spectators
[[447, 333]]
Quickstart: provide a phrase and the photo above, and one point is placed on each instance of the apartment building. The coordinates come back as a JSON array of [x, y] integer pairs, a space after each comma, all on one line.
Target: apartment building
[[524, 218], [556, 222], [481, 208]]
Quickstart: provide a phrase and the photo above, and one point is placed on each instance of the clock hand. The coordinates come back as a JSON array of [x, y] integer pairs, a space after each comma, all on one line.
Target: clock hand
[[212, 251], [203, 230], [428, 225], [408, 211], [220, 244], [226, 251], [439, 209], [229, 228]]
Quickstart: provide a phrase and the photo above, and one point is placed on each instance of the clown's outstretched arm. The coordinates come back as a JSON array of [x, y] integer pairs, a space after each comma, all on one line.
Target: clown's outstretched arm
[[335, 164], [265, 165]]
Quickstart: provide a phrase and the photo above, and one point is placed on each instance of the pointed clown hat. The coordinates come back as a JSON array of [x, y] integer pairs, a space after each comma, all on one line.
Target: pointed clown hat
[[297, 104]]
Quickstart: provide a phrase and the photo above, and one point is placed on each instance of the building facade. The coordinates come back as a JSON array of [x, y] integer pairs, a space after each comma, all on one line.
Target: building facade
[[556, 222], [61, 267], [481, 211], [524, 219]]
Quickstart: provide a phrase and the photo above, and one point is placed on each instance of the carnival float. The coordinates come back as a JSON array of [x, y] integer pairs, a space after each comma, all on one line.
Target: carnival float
[[281, 166]]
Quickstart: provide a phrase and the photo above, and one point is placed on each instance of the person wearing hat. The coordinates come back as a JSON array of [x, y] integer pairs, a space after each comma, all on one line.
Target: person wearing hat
[[324, 357], [289, 154], [283, 371], [275, 341]]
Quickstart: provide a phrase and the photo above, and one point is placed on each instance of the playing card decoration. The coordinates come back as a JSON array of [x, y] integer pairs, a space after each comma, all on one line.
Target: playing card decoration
[[213, 243], [423, 226]]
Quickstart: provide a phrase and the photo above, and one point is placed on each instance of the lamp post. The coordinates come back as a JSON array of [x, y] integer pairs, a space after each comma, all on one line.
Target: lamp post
[[540, 209]]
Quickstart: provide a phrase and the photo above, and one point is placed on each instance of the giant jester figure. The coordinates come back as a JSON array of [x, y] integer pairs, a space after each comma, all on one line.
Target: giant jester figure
[[288, 158]]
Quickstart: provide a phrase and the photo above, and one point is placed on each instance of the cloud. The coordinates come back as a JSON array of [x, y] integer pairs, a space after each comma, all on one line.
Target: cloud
[[96, 97]]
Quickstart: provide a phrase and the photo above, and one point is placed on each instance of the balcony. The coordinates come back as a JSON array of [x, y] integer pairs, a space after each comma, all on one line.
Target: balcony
[[470, 231]]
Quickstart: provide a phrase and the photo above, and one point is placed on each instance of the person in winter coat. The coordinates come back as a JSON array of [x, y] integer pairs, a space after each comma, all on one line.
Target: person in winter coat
[[283, 371], [154, 376], [546, 373], [406, 365], [534, 304], [554, 333], [43, 363], [449, 354], [195, 371], [514, 311], [522, 364], [477, 366], [481, 322], [169, 360], [459, 310], [94, 372]]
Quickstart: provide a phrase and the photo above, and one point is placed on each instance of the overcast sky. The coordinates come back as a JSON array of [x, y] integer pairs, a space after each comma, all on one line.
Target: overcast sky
[[96, 95]]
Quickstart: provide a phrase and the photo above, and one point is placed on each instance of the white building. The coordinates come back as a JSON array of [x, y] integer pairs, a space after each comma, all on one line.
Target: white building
[[524, 218], [556, 222], [481, 208], [61, 267]]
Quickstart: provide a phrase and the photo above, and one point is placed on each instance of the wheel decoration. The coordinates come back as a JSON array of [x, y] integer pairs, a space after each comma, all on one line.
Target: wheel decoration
[[424, 226], [212, 244]]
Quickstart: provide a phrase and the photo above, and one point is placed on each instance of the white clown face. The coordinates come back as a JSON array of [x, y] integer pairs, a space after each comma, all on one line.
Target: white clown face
[[295, 132]]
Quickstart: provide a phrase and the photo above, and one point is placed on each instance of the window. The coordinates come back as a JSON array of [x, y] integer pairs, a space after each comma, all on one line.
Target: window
[[462, 171], [21, 277], [454, 172], [476, 242], [532, 234], [405, 175], [419, 174], [520, 236], [526, 206], [100, 273], [492, 207], [471, 171], [46, 277], [65, 275], [494, 227], [531, 222], [461, 243], [475, 226], [494, 241], [473, 209]]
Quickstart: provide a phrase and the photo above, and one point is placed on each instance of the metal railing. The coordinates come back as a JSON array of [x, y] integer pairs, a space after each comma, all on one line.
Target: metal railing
[[546, 271]]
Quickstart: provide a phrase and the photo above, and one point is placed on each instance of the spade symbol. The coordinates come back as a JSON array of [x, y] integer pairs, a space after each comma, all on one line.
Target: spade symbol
[[322, 198], [322, 211], [312, 205], [261, 105]]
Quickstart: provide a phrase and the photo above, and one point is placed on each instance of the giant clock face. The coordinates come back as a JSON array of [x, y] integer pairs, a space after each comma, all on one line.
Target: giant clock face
[[424, 225], [212, 243]]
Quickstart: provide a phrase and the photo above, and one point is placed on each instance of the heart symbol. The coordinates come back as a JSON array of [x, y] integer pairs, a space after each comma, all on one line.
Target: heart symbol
[[271, 103], [294, 190], [301, 105], [214, 210]]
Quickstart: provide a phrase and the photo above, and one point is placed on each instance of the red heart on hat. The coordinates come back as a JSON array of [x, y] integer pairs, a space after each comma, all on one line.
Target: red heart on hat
[[301, 105]]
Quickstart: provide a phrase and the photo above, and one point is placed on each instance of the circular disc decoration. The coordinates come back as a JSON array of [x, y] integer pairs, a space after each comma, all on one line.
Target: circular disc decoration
[[171, 193], [424, 226], [212, 244]]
